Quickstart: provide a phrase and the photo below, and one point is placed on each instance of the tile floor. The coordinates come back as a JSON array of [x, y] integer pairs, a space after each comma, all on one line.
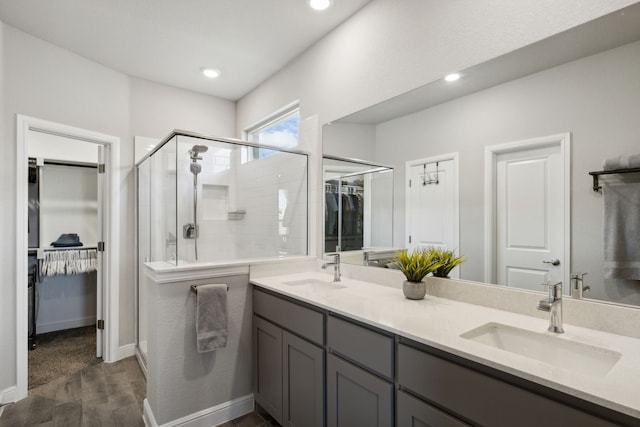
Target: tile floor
[[99, 395]]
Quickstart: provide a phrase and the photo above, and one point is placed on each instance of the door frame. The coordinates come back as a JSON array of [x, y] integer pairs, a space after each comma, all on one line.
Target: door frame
[[111, 222], [456, 186], [491, 152]]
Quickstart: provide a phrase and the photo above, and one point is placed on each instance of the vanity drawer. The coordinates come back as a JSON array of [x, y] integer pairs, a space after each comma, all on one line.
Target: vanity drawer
[[296, 318], [414, 412], [480, 398], [362, 345]]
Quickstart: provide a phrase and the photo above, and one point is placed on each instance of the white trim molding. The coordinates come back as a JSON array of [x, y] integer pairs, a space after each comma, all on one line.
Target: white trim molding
[[25, 124], [212, 416], [125, 351], [164, 272], [563, 140], [8, 395]]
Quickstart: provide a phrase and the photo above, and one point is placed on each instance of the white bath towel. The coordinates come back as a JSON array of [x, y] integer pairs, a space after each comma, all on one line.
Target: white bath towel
[[622, 162], [211, 317], [622, 227]]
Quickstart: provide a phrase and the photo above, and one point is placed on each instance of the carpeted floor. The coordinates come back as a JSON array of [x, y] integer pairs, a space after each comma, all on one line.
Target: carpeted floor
[[61, 353]]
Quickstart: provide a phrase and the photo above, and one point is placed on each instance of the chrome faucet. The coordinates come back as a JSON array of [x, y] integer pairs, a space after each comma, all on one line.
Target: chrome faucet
[[336, 266], [577, 285], [553, 304]]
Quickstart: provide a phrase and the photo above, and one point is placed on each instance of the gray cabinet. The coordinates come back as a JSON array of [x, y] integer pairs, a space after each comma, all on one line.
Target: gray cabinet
[[366, 366], [356, 397], [302, 382], [267, 347], [480, 398], [359, 375], [362, 345], [413, 412], [288, 370]]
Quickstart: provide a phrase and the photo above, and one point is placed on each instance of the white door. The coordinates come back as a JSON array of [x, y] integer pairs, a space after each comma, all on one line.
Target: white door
[[100, 260], [432, 208], [530, 216]]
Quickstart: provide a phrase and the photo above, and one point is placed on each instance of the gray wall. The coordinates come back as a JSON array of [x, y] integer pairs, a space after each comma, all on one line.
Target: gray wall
[[350, 140], [597, 99], [182, 381], [44, 81], [7, 262]]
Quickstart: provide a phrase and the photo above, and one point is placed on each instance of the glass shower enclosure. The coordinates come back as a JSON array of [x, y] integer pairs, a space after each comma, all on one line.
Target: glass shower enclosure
[[204, 199]]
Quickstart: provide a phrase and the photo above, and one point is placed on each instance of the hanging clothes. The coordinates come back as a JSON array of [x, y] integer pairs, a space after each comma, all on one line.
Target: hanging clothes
[[77, 261]]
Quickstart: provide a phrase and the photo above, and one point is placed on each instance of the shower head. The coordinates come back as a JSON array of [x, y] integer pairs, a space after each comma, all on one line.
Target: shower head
[[195, 167], [197, 149]]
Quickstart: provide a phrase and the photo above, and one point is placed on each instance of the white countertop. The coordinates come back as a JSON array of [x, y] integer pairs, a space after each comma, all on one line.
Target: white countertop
[[439, 322]]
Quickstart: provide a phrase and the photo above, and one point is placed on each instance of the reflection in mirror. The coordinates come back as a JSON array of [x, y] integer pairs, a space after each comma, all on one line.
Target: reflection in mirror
[[583, 83], [358, 209]]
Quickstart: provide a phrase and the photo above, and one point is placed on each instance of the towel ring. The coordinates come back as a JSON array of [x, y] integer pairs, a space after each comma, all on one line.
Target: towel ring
[[194, 288]]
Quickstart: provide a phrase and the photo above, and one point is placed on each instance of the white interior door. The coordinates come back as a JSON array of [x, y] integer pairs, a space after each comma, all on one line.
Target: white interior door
[[100, 254], [530, 217], [432, 208]]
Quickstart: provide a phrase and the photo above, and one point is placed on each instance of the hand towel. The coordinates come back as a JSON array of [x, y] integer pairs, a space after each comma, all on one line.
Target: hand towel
[[622, 162], [211, 317], [622, 227]]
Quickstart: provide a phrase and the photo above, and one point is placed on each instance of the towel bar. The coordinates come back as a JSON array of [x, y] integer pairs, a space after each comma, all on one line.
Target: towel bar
[[596, 186], [194, 288]]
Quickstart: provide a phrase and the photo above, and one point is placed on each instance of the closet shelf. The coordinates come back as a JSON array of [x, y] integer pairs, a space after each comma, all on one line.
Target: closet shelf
[[596, 174], [67, 248]]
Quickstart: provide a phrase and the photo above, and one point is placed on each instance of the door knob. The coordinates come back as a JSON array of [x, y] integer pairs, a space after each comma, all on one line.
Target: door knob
[[555, 261]]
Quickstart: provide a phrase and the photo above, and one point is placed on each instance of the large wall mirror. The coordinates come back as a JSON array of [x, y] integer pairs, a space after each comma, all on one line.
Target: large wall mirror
[[579, 90]]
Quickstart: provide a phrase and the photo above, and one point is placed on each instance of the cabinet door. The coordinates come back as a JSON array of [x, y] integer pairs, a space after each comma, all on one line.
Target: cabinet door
[[413, 412], [355, 397], [303, 374], [267, 344]]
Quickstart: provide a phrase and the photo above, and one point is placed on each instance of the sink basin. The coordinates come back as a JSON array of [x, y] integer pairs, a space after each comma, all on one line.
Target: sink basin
[[315, 284], [562, 353]]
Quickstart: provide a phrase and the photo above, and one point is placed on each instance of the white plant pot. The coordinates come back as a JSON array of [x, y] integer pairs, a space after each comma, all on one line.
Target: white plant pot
[[414, 290]]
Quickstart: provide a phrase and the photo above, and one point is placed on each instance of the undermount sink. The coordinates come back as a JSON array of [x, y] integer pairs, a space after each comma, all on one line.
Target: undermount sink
[[315, 284], [562, 353]]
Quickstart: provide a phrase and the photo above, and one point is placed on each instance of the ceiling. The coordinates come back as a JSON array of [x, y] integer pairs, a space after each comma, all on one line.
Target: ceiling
[[169, 41]]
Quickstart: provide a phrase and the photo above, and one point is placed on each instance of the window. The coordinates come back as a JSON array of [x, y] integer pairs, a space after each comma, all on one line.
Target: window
[[279, 130]]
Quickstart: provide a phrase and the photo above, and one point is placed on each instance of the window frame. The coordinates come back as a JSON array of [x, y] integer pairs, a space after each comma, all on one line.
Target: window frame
[[270, 120]]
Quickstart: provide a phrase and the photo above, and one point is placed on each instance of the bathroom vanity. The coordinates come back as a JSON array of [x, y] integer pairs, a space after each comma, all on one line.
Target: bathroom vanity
[[358, 353]]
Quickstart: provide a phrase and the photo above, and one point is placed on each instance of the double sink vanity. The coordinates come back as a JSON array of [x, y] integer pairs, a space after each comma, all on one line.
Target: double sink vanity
[[355, 353]]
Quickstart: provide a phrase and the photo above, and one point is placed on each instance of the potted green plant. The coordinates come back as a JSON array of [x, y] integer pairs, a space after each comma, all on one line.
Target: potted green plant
[[446, 259], [415, 266]]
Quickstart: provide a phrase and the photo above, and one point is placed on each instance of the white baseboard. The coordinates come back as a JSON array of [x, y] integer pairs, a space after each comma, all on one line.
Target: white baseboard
[[125, 351], [209, 417], [142, 363], [43, 328], [8, 395]]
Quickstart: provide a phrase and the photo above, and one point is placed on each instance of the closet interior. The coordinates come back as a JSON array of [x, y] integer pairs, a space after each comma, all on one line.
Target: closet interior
[[358, 197], [344, 214], [62, 235]]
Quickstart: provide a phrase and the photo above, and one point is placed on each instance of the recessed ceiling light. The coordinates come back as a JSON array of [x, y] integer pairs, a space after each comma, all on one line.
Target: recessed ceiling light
[[211, 73], [319, 4], [452, 77]]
